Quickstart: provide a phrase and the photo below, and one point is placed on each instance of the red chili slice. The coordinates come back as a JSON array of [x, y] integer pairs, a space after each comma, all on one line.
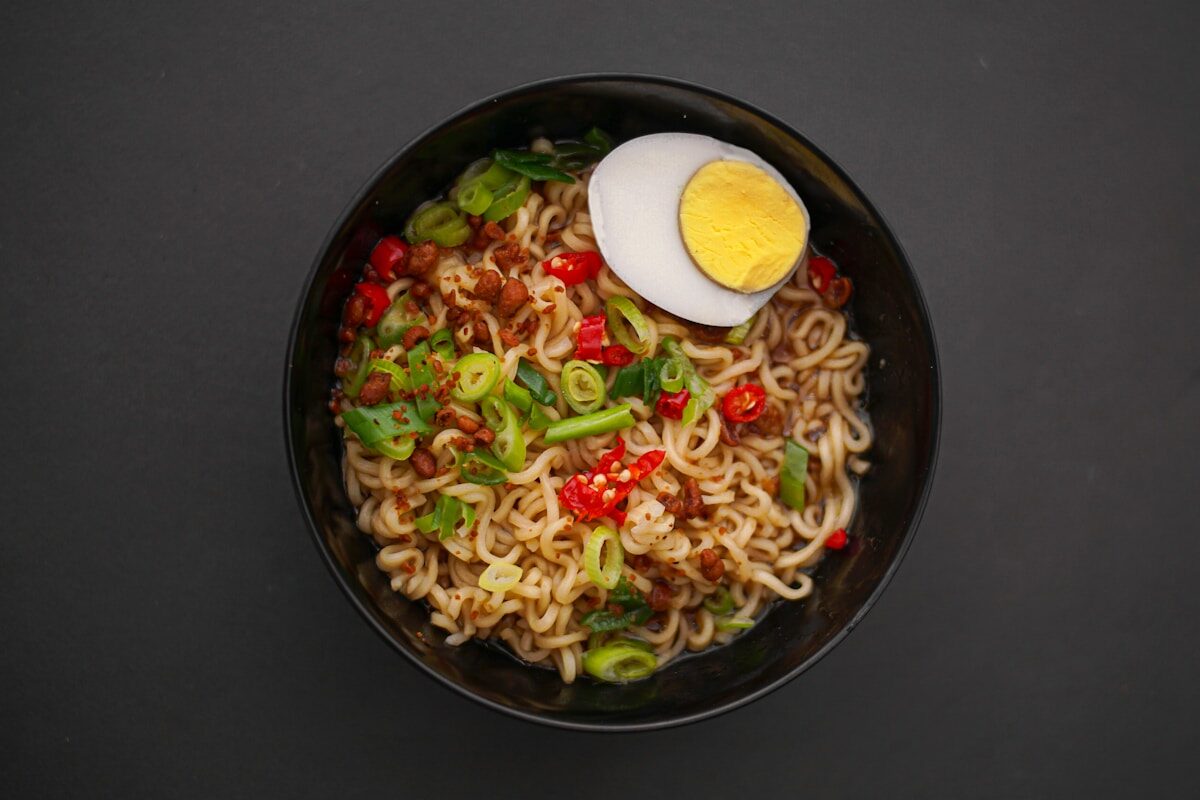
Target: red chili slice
[[573, 268], [591, 338], [744, 403], [671, 404], [820, 272], [378, 300], [837, 540], [617, 355], [390, 252], [838, 292], [588, 501]]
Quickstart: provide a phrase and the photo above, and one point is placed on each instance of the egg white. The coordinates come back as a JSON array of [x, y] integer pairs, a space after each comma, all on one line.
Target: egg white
[[633, 198]]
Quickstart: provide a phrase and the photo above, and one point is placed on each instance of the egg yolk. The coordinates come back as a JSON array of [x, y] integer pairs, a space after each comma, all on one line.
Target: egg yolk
[[740, 226]]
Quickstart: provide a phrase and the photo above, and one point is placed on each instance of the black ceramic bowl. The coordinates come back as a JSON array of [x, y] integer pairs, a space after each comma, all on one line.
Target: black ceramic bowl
[[902, 399]]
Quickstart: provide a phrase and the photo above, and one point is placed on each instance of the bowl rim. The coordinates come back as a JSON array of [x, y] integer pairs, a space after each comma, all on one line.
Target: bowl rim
[[599, 725]]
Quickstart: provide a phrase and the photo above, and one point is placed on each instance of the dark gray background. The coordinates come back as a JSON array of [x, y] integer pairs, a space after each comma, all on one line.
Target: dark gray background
[[167, 177]]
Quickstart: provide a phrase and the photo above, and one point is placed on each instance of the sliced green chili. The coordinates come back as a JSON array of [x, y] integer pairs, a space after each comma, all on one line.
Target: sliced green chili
[[401, 315], [517, 397], [447, 512], [424, 382], [399, 448], [538, 419], [507, 199], [474, 197], [373, 424], [574, 156], [480, 467], [509, 445], [442, 342], [478, 374], [793, 475], [605, 421], [400, 381], [599, 140], [534, 165], [360, 361], [538, 387], [627, 324], [619, 662], [582, 387]]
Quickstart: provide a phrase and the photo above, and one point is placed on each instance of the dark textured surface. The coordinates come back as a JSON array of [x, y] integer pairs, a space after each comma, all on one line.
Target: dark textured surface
[[167, 177]]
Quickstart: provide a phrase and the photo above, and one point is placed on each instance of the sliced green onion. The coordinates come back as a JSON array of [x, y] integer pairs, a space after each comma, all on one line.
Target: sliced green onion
[[599, 638], [440, 222], [582, 386], [450, 516], [444, 519], [373, 424], [478, 374], [399, 448], [793, 475], [480, 467], [719, 602], [442, 342], [486, 172], [500, 577], [400, 381], [619, 662], [689, 411], [605, 577], [533, 165], [737, 334], [507, 199], [628, 324], [509, 445], [610, 419], [538, 419], [670, 375], [630, 380], [599, 140], [538, 387], [517, 397], [474, 197], [701, 392], [651, 387], [396, 321], [734, 624], [421, 374], [360, 359], [574, 156]]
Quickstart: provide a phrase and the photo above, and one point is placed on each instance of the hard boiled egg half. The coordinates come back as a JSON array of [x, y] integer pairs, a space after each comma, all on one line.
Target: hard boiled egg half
[[701, 228]]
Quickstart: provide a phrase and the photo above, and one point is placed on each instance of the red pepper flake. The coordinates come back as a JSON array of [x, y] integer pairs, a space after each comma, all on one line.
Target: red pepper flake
[[837, 540], [590, 499]]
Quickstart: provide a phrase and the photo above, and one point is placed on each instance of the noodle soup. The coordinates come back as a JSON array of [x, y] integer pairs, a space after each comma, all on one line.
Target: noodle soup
[[553, 463]]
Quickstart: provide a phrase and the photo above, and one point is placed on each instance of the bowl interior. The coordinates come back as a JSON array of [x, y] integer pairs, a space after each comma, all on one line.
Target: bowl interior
[[902, 399]]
